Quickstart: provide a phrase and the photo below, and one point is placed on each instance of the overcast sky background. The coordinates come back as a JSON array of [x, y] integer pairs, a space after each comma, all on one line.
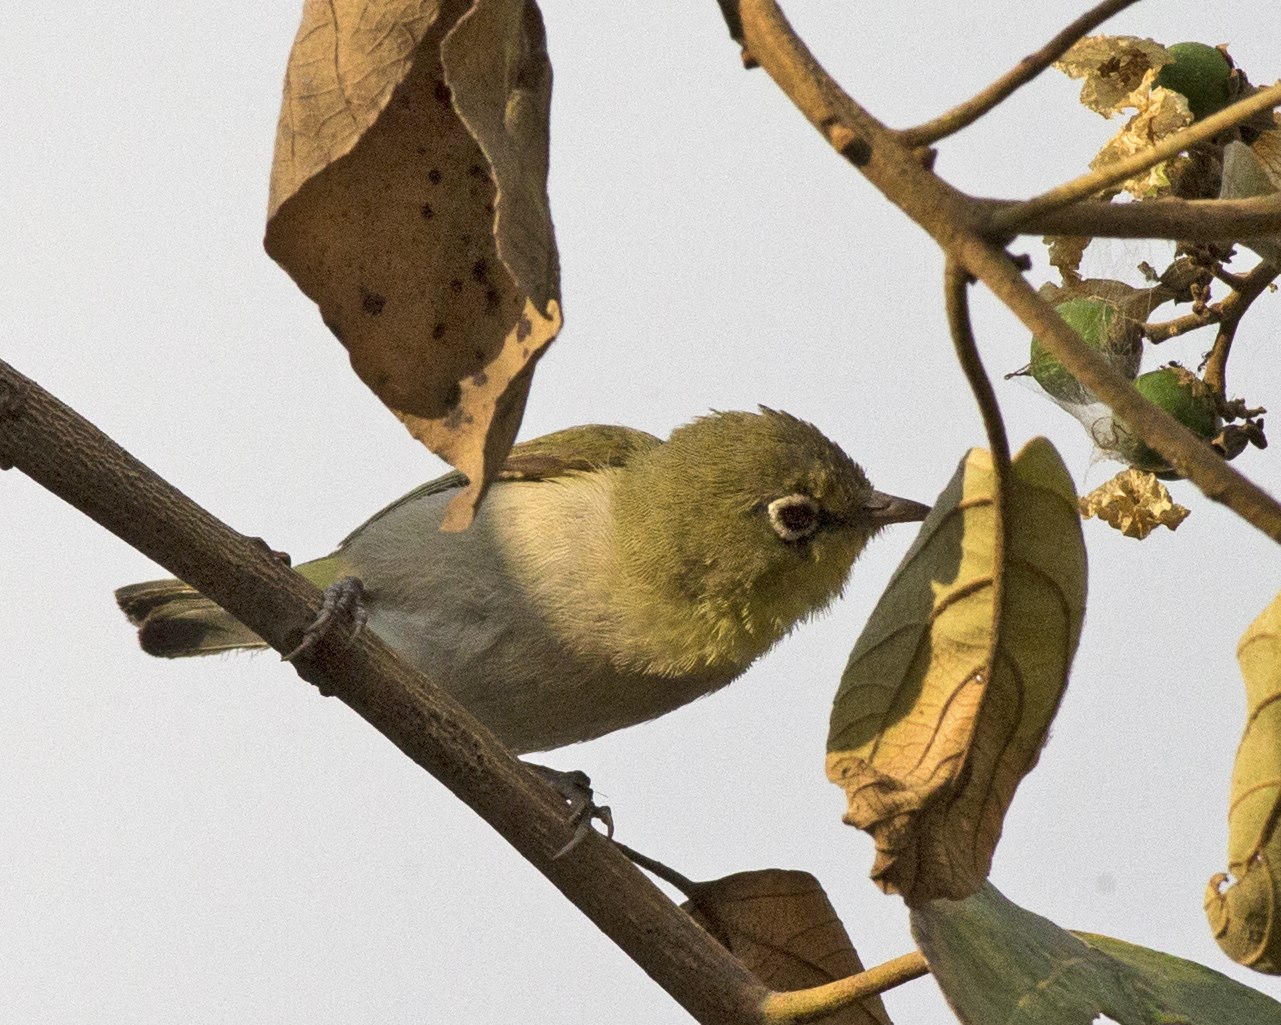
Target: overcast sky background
[[211, 841]]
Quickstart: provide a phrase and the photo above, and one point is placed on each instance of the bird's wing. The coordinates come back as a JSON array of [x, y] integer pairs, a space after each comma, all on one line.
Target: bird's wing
[[575, 450]]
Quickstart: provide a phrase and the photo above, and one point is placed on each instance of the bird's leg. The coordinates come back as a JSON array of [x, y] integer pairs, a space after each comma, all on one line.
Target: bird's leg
[[575, 787], [342, 597]]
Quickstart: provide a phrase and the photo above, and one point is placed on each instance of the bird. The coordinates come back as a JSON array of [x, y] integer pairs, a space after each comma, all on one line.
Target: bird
[[609, 577]]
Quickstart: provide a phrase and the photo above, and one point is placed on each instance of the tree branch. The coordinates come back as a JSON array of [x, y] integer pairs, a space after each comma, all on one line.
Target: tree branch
[[1163, 332], [1118, 171], [961, 229], [965, 114], [955, 284], [66, 454], [1184, 220], [1230, 312]]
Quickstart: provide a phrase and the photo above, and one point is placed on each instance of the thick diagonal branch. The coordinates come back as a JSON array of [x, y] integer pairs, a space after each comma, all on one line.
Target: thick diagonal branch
[[66, 454]]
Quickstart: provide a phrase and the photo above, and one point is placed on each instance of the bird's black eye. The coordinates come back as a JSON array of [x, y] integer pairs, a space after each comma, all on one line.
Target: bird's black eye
[[794, 516]]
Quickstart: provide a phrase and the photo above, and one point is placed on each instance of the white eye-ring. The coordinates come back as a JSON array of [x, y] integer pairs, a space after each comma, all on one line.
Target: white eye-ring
[[794, 516]]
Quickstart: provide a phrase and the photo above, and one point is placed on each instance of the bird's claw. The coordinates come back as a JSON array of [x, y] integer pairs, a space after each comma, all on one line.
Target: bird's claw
[[342, 598], [576, 789]]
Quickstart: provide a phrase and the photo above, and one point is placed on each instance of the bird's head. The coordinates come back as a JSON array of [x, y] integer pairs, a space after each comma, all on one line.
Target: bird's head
[[750, 522]]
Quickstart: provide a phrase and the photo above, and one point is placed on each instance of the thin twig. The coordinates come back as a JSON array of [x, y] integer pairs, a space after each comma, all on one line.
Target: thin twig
[[1028, 68], [1233, 281], [1231, 310], [957, 224], [1115, 173], [1163, 332], [1184, 220], [655, 867], [956, 283], [804, 1005]]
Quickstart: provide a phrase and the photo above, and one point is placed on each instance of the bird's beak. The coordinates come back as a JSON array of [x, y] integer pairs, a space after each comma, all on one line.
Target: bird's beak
[[881, 509]]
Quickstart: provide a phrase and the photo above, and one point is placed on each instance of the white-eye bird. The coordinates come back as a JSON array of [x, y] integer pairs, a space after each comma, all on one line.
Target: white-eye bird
[[609, 577]]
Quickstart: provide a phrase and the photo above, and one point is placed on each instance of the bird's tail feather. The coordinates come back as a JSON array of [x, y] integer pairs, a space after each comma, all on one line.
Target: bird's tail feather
[[175, 620]]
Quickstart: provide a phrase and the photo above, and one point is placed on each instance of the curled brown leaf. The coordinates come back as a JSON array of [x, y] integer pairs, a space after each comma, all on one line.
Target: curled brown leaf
[[409, 201], [781, 925]]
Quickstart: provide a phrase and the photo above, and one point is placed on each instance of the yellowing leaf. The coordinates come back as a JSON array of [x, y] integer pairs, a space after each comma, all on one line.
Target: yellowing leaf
[[1135, 503], [408, 199], [1117, 70], [1246, 917], [948, 693], [781, 925], [998, 962]]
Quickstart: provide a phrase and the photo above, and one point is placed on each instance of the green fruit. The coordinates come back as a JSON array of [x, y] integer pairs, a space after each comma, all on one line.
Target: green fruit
[[1186, 398], [1201, 73], [1114, 337]]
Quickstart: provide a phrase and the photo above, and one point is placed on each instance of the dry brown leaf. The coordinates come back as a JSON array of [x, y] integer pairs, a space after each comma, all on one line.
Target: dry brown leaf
[[1246, 916], [782, 927], [1135, 503], [1066, 252], [1161, 112], [953, 683], [1118, 73], [408, 199], [1114, 69]]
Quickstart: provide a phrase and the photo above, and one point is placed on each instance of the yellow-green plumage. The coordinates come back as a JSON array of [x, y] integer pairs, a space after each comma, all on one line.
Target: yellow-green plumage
[[609, 577]]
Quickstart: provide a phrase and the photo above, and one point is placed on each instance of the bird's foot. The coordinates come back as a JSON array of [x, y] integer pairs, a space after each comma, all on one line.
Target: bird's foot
[[342, 598], [576, 788]]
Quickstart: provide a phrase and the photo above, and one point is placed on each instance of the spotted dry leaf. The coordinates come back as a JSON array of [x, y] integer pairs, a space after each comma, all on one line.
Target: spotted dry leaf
[[1246, 915], [952, 685], [408, 199], [1135, 503]]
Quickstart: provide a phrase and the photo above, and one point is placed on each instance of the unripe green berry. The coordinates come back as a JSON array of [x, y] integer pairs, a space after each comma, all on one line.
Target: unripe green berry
[[1103, 328], [1201, 73], [1186, 398]]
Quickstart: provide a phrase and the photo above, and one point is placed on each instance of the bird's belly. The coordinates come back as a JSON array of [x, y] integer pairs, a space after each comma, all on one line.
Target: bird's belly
[[532, 691]]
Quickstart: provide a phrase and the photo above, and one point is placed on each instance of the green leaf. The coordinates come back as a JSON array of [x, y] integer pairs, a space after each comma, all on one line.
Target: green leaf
[[999, 963], [949, 691]]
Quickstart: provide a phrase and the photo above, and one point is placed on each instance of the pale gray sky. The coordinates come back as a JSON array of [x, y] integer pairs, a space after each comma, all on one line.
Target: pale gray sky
[[210, 841]]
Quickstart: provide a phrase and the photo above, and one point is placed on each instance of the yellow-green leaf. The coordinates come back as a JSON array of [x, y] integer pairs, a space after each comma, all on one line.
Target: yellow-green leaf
[[409, 201], [950, 689], [1246, 916], [998, 962]]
